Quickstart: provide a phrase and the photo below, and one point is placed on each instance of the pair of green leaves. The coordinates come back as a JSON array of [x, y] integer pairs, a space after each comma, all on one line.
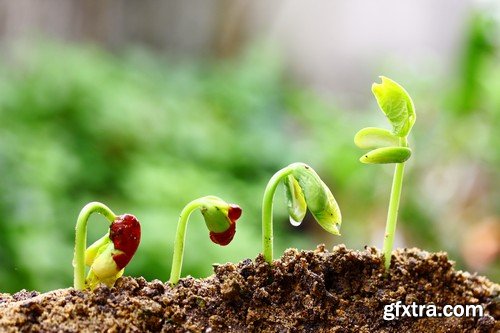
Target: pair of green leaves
[[388, 146], [304, 189]]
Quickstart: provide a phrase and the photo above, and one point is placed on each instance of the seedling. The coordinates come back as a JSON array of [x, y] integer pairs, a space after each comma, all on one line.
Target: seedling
[[109, 255], [220, 219], [389, 146], [304, 189]]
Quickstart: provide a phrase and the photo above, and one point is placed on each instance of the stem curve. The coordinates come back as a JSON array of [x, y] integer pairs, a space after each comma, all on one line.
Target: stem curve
[[81, 239], [267, 211], [180, 237]]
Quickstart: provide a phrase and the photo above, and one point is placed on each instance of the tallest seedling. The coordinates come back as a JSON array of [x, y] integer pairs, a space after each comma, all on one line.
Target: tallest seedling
[[389, 146]]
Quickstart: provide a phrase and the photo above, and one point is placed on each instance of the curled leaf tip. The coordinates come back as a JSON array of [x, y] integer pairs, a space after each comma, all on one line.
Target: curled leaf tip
[[396, 104]]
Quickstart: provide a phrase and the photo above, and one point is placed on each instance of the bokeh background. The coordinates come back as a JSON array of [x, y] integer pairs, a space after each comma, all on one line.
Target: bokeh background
[[146, 105]]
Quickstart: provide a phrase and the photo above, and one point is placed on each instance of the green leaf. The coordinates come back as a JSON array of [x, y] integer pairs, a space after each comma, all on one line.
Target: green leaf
[[386, 155], [319, 199], [372, 137], [96, 248], [296, 203], [397, 105], [215, 212], [104, 265]]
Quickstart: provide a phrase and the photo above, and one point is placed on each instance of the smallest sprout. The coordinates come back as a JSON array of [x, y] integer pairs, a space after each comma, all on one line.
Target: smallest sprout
[[304, 190], [220, 219], [108, 256]]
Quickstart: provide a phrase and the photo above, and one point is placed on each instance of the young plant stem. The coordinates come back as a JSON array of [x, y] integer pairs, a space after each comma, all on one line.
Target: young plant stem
[[180, 238], [392, 214], [81, 239], [267, 212]]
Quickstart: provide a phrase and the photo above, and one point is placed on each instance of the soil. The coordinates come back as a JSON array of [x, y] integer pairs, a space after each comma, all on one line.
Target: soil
[[306, 291]]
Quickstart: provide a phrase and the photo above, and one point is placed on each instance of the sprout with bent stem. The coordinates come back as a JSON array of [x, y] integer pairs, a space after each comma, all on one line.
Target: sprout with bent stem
[[109, 255], [220, 219], [304, 189], [389, 147]]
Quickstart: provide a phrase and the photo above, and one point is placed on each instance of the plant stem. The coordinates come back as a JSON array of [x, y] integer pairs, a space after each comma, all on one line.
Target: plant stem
[[180, 238], [81, 239], [392, 214], [267, 212]]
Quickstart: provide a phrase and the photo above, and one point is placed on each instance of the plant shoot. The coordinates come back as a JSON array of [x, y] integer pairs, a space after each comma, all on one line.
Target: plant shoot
[[109, 255], [304, 190], [389, 147], [220, 219]]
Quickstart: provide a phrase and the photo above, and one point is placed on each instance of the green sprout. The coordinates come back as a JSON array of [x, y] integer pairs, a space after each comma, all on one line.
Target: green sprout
[[220, 219], [303, 189], [389, 146], [108, 256]]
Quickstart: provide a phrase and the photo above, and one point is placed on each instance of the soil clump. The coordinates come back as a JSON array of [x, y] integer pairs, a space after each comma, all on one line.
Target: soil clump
[[307, 291]]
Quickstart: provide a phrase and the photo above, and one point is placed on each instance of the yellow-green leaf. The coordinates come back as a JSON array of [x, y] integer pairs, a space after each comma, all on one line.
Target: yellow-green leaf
[[397, 105], [296, 203], [372, 137], [386, 155], [319, 199], [96, 248], [215, 213]]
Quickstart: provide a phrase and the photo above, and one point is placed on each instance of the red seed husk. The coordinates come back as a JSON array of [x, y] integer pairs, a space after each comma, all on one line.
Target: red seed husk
[[234, 212], [125, 233], [225, 237]]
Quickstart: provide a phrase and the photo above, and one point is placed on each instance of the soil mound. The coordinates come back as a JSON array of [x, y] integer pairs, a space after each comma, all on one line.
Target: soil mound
[[306, 291]]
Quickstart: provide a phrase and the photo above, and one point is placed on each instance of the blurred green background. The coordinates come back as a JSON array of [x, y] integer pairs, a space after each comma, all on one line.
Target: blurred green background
[[147, 129]]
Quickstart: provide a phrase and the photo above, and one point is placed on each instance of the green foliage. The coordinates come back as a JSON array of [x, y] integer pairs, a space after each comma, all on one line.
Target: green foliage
[[388, 147], [397, 105], [144, 135], [372, 138], [386, 155], [215, 214], [318, 197]]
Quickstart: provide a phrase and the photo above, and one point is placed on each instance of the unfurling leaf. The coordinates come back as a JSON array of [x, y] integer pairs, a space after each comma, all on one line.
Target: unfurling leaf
[[319, 198], [372, 138], [397, 105], [296, 203], [386, 155]]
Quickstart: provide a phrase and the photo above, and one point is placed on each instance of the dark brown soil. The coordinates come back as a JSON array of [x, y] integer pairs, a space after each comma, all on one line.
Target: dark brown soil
[[307, 291]]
